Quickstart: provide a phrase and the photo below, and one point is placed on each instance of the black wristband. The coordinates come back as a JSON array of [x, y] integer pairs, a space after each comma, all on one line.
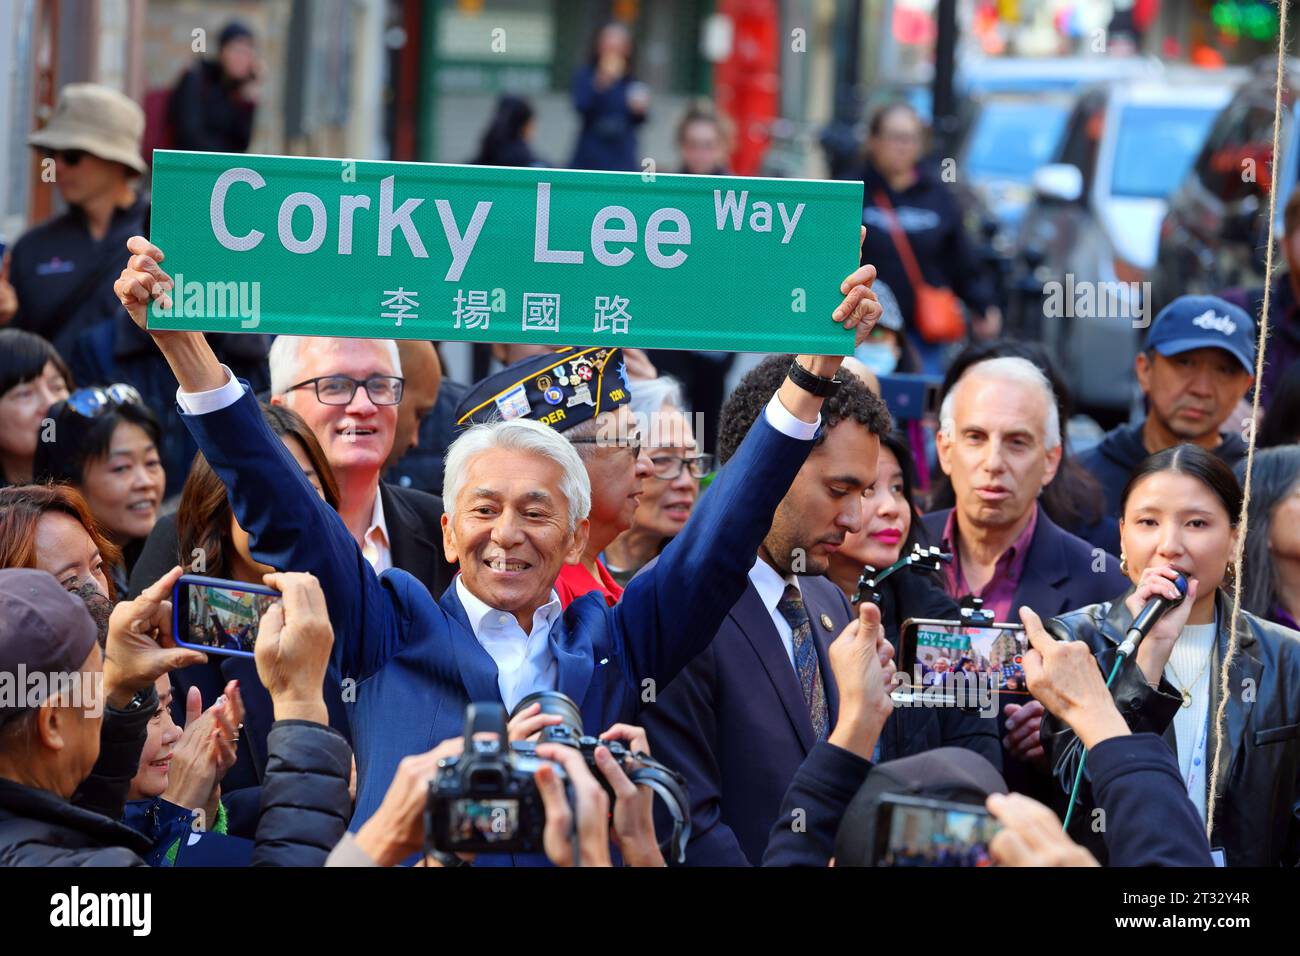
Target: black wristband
[[817, 385]]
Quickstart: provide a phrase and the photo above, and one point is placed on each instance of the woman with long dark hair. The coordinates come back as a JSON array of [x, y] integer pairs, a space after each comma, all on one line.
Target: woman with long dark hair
[[1270, 585], [1179, 517]]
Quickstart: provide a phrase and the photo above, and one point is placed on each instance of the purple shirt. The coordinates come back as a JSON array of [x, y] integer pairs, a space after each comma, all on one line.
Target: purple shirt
[[1000, 591]]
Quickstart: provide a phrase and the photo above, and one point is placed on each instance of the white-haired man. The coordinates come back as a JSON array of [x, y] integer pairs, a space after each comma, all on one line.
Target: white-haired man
[[999, 443], [516, 498], [348, 392]]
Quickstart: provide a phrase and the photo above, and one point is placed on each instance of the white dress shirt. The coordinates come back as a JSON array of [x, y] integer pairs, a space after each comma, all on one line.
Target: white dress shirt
[[375, 546], [771, 588], [524, 661]]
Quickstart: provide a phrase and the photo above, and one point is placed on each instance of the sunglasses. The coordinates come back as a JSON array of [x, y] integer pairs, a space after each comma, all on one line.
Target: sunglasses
[[94, 402], [69, 157]]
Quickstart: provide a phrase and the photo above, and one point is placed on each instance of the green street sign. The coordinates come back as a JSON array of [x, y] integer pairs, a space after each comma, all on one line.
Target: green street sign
[[284, 244]]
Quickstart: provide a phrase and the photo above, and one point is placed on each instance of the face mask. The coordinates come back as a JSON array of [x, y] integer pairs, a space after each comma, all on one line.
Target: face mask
[[878, 357]]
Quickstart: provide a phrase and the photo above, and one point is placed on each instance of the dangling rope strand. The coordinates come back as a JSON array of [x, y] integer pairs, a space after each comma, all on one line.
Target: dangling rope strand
[[1221, 713]]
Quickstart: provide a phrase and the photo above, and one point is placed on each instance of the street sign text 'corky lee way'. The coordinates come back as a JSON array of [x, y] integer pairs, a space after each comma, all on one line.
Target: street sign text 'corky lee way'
[[282, 244]]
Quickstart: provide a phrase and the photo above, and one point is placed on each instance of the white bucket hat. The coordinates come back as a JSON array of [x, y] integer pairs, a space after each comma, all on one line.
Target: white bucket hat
[[97, 120]]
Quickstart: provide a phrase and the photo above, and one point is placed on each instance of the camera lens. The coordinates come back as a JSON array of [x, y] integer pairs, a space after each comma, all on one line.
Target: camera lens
[[553, 702]]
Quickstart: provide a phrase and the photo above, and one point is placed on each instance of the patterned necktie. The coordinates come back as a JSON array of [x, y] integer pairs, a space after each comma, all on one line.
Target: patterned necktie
[[805, 659]]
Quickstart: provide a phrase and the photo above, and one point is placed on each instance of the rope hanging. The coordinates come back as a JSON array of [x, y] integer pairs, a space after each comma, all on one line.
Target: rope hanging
[[1221, 712]]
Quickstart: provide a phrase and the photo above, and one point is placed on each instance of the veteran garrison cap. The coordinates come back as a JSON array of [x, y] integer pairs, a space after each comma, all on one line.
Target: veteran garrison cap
[[560, 389]]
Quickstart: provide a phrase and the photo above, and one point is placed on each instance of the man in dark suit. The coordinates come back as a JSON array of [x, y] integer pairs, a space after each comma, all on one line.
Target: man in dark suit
[[999, 442], [742, 717], [517, 502]]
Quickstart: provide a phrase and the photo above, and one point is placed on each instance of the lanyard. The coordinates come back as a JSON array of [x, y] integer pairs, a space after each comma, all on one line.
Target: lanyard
[[1196, 767]]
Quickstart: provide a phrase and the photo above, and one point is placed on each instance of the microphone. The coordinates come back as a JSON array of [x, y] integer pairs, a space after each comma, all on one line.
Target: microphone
[[1154, 610]]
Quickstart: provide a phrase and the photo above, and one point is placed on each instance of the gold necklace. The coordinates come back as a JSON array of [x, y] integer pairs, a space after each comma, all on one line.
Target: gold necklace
[[1186, 688]]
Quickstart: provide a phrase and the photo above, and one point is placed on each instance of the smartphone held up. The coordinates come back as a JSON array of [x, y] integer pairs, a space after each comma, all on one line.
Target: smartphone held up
[[217, 616]]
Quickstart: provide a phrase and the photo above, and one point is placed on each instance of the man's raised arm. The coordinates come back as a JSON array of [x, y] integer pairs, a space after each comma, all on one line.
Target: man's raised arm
[[289, 526], [670, 613]]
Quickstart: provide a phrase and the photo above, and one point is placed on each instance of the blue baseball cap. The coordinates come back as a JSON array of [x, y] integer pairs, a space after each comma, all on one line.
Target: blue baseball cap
[[1204, 322]]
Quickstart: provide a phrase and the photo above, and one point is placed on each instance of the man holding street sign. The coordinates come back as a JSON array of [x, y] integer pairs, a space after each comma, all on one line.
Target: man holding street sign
[[517, 499]]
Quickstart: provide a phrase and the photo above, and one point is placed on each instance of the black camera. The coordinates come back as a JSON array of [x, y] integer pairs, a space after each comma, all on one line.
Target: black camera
[[485, 800], [641, 768]]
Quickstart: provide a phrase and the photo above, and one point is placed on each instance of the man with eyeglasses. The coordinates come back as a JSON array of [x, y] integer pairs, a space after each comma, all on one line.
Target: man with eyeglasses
[[584, 395], [57, 280], [348, 392]]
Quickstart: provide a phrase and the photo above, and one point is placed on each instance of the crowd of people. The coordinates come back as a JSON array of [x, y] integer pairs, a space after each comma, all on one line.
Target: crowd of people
[[693, 582]]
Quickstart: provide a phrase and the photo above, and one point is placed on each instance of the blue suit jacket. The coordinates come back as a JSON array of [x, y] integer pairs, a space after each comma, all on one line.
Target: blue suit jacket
[[415, 661], [735, 723]]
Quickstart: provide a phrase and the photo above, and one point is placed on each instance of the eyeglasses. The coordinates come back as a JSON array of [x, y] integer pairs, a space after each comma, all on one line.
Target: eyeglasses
[[69, 157], [631, 442], [340, 389], [94, 402], [669, 467]]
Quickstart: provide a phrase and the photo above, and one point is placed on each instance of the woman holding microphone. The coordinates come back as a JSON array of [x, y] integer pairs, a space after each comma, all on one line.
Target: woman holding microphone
[[1179, 517]]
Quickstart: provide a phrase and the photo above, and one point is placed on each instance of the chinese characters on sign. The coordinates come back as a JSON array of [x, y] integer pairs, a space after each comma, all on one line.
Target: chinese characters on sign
[[472, 309], [541, 312], [611, 315], [400, 302]]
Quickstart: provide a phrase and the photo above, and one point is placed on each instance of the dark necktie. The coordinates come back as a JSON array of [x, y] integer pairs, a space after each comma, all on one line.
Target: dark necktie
[[805, 659]]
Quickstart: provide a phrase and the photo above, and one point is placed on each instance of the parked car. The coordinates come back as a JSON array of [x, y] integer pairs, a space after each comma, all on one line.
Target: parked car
[[1011, 135], [1215, 234], [1094, 221]]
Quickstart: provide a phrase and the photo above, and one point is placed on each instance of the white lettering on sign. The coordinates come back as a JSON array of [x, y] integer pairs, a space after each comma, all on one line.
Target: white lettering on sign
[[614, 229], [542, 233], [602, 234], [217, 209], [399, 218], [760, 220], [655, 237], [462, 246], [284, 224]]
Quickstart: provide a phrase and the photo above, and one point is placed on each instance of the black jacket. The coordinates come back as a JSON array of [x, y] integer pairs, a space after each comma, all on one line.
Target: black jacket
[[1149, 822], [1121, 450], [64, 278], [1257, 814], [930, 216], [305, 805], [206, 112]]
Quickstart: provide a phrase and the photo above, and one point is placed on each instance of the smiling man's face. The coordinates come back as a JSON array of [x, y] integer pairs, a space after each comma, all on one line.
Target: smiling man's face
[[359, 435], [509, 530]]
